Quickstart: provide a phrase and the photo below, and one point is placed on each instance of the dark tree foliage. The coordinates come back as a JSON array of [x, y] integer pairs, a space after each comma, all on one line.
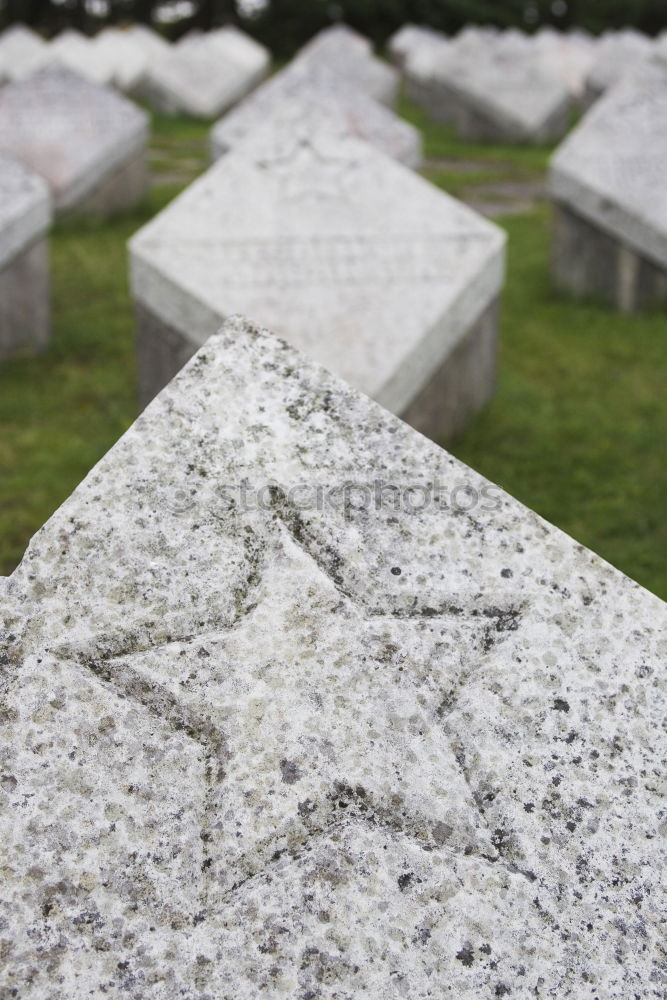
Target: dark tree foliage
[[284, 25]]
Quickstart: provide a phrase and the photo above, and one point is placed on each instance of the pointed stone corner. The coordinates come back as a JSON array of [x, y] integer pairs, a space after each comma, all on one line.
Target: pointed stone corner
[[25, 217], [294, 702], [349, 56], [304, 86], [88, 142], [302, 226], [607, 183]]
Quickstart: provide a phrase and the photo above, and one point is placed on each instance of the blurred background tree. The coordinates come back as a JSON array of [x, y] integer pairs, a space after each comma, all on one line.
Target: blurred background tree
[[284, 25]]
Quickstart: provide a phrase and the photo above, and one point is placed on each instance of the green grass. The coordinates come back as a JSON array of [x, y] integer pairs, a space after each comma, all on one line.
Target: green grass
[[576, 430]]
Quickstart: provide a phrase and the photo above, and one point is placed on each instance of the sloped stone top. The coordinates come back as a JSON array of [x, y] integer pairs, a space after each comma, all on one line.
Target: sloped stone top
[[69, 130], [302, 85], [616, 54], [318, 748], [349, 56], [611, 168], [78, 53], [25, 208], [22, 51], [351, 256]]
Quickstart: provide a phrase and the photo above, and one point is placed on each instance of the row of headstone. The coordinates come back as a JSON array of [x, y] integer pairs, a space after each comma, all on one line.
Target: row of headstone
[[308, 226], [200, 76], [297, 705], [509, 86]]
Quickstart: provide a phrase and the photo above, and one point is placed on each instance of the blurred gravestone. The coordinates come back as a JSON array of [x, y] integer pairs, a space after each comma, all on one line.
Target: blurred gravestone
[[124, 54], [254, 59], [607, 182], [79, 54], [410, 39], [22, 52], [297, 705], [88, 142], [25, 216], [348, 55], [358, 261], [303, 85], [617, 53]]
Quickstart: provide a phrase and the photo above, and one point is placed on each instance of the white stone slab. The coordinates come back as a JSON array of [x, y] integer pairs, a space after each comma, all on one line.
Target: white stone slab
[[195, 78], [351, 256], [244, 51], [154, 46], [412, 39], [616, 54], [293, 747], [504, 84], [126, 56], [348, 55], [304, 87], [71, 131], [611, 169], [22, 52], [569, 56], [75, 51], [25, 208]]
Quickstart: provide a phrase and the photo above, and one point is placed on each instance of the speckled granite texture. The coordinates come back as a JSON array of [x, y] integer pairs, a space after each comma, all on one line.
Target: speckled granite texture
[[304, 748]]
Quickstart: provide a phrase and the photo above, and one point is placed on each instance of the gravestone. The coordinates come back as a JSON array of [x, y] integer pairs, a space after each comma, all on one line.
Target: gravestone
[[78, 53], [569, 56], [306, 87], [22, 52], [263, 739], [494, 90], [358, 261], [411, 39], [349, 56], [88, 142], [244, 51], [125, 55], [616, 54], [197, 79], [25, 216], [607, 183]]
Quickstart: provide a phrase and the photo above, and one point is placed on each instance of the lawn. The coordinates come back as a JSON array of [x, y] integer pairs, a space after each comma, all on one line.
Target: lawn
[[576, 430]]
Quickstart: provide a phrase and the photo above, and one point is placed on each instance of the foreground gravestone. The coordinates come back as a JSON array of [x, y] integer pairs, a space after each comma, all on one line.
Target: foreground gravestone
[[358, 261], [501, 94], [22, 52], [307, 87], [348, 55], [88, 142], [199, 79], [25, 216], [616, 54], [607, 182], [297, 705]]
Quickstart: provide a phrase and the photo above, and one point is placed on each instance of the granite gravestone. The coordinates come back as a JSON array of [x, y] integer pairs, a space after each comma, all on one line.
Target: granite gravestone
[[198, 79], [25, 216], [607, 183], [88, 142], [22, 52], [78, 53], [358, 261], [349, 56], [297, 705], [305, 87], [501, 94], [617, 53]]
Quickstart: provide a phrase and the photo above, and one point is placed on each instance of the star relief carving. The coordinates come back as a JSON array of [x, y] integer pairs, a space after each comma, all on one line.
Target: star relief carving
[[310, 168]]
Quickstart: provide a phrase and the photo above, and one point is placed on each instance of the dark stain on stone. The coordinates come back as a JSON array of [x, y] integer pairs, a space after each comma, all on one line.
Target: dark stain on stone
[[561, 705], [465, 955], [290, 772]]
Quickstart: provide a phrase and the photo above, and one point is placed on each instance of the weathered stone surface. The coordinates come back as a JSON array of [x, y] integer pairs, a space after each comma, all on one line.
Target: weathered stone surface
[[349, 56], [292, 748], [75, 134], [305, 88], [352, 257], [610, 173], [78, 53], [22, 52], [25, 216], [617, 53], [501, 94], [126, 56], [198, 78]]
